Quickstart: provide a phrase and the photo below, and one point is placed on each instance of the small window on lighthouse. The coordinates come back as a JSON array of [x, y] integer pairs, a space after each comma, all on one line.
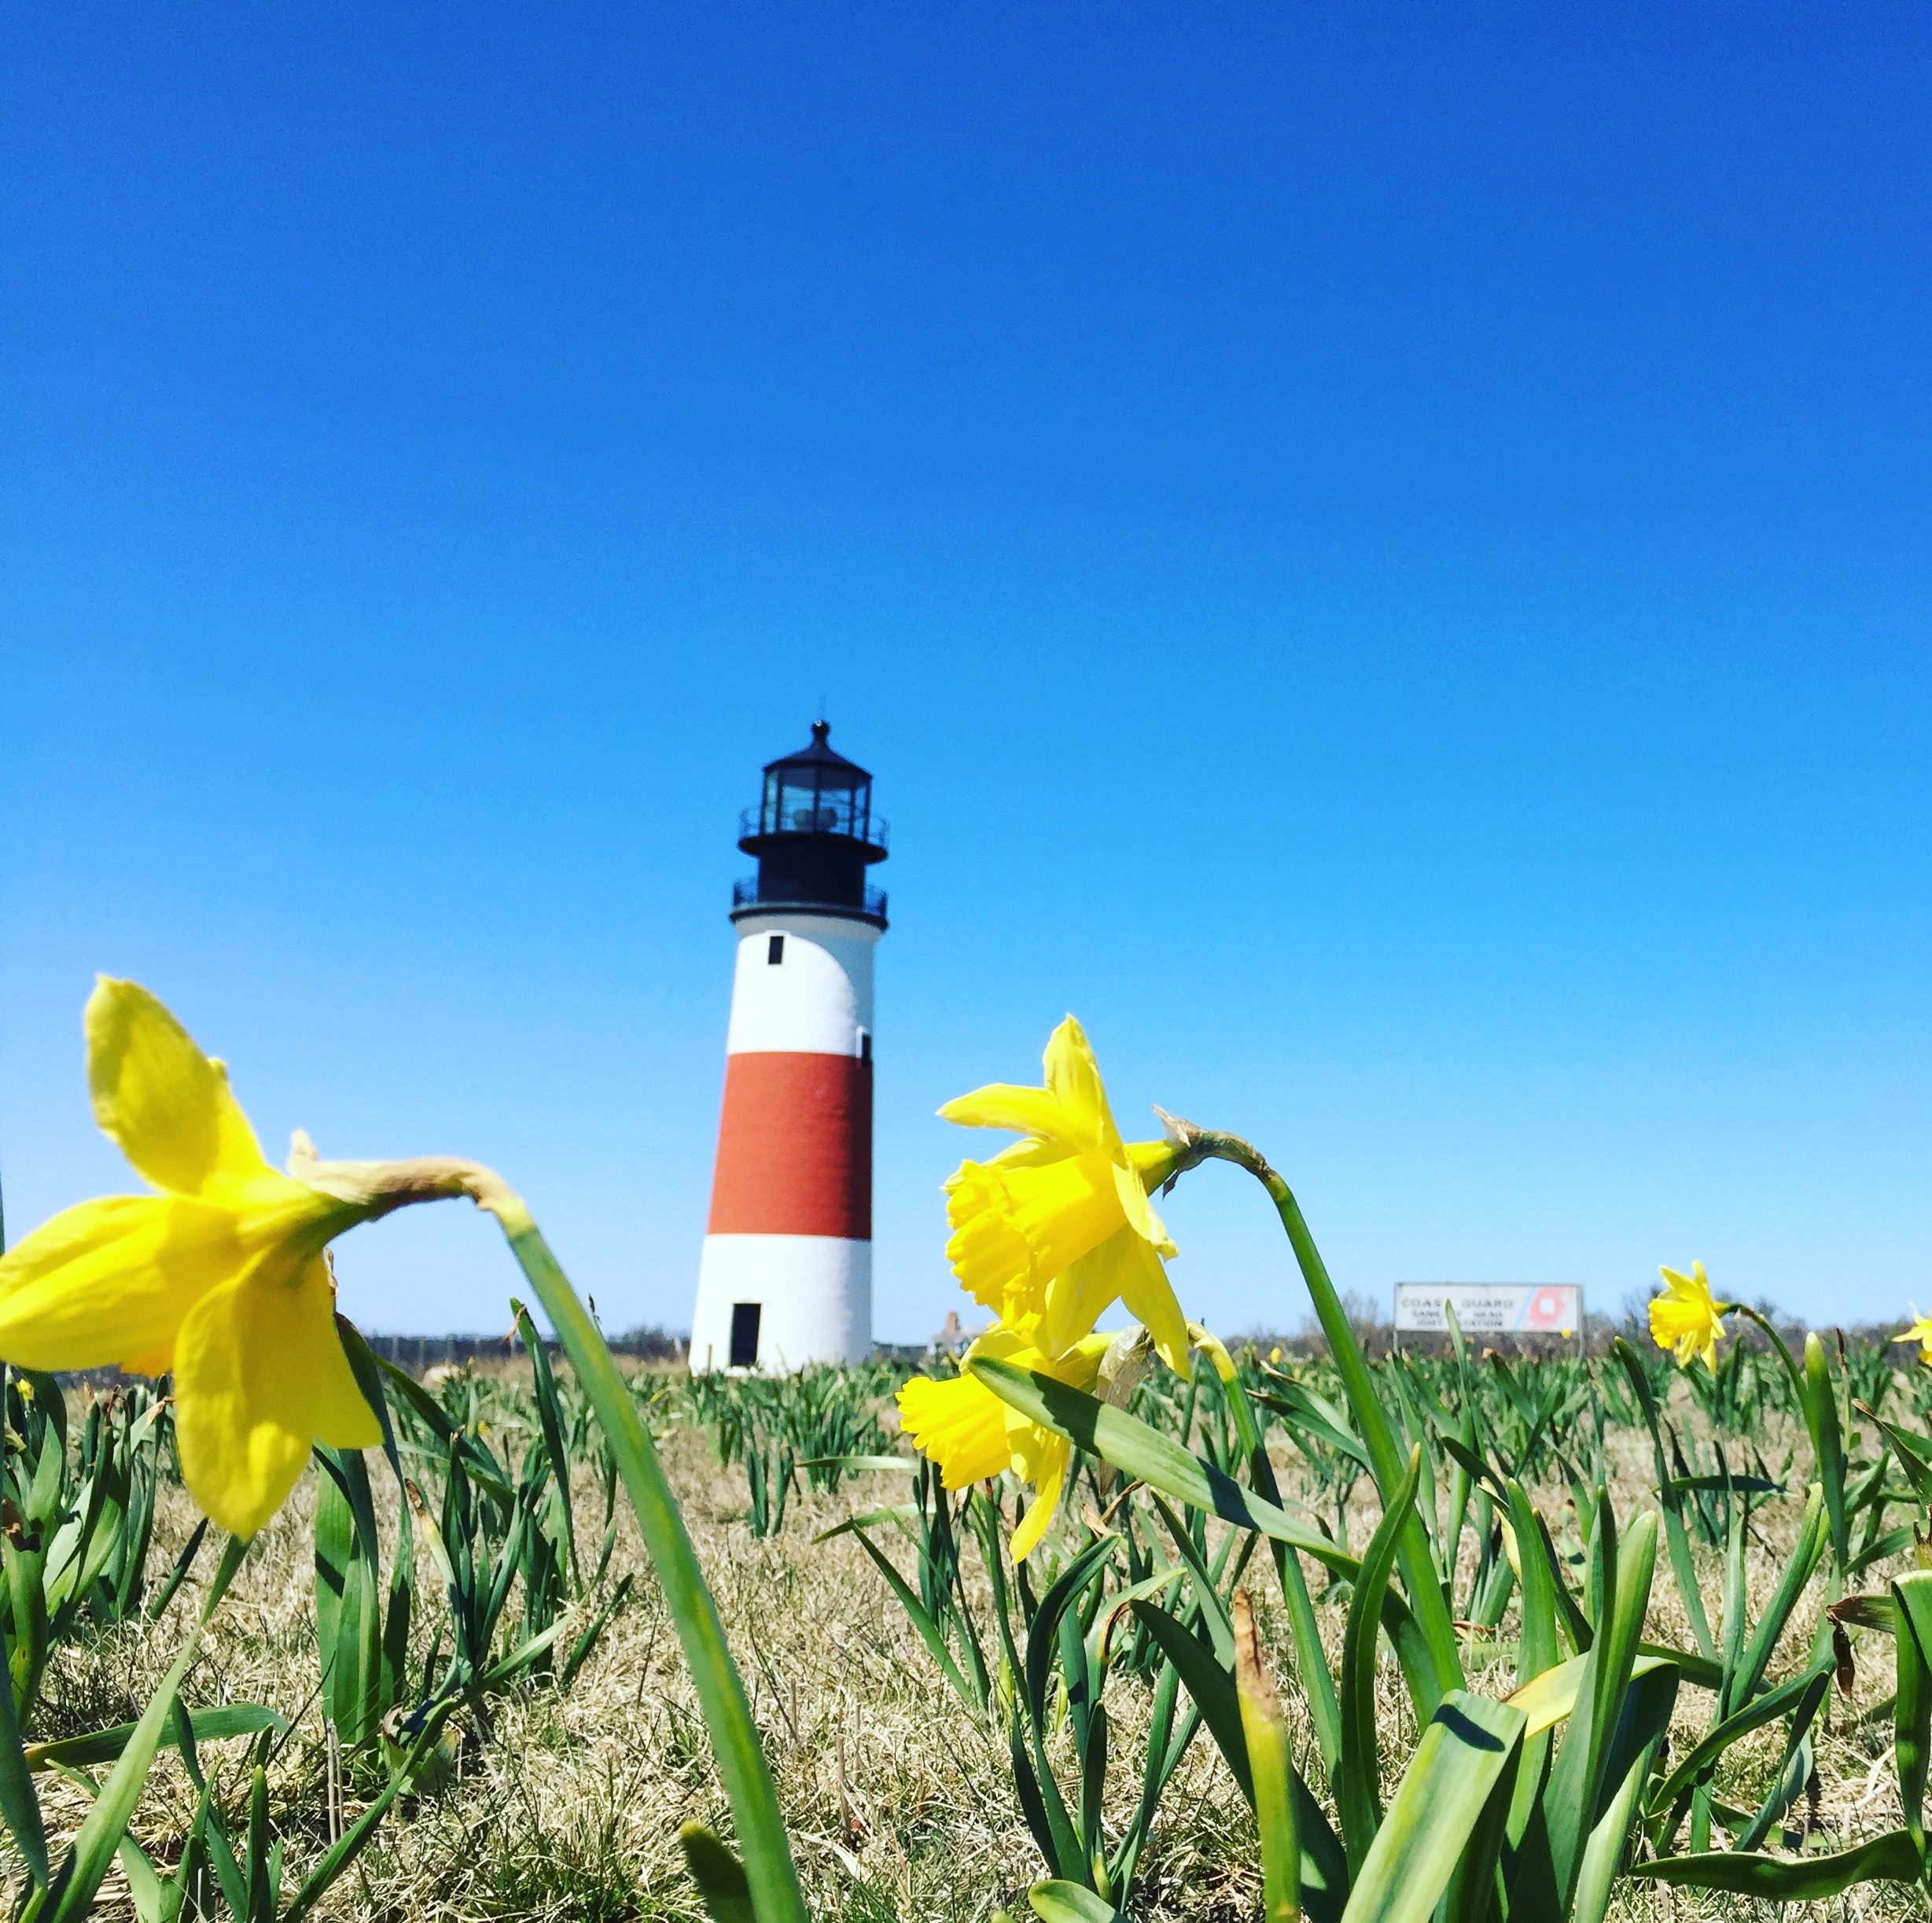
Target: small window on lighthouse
[[745, 1317], [865, 1045], [775, 951]]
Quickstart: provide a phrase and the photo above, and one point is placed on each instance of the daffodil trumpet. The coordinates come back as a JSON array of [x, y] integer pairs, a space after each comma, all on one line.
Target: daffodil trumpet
[[973, 1436], [1053, 1230]]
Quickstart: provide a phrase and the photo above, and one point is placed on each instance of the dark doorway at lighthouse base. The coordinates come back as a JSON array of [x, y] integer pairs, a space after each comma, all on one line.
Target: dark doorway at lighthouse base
[[744, 1316]]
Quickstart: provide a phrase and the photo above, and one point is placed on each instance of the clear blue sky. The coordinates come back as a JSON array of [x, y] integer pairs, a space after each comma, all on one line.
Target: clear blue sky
[[1380, 555]]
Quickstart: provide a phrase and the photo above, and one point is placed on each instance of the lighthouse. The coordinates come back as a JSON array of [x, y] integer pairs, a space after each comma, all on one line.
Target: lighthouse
[[786, 1275]]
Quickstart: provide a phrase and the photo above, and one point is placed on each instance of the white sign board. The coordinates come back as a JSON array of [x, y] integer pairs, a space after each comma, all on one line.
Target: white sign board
[[1491, 1308]]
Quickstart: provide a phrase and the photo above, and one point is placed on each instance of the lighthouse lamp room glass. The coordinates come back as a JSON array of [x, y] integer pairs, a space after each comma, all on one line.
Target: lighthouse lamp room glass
[[785, 1278]]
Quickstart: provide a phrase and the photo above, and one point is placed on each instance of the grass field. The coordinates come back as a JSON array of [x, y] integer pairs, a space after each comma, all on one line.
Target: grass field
[[566, 1802]]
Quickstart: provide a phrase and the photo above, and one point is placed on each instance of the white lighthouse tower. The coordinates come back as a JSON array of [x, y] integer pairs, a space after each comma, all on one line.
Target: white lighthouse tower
[[786, 1276]]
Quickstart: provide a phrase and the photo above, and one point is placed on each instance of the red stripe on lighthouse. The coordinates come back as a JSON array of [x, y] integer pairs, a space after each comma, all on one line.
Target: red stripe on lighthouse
[[795, 1148]]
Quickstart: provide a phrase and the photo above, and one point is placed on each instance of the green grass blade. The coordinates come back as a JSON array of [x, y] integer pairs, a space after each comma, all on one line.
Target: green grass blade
[[98, 1838], [1358, 1791], [353, 1838], [1470, 1743], [1272, 1769], [209, 1725], [747, 1777], [1892, 1858], [18, 1802]]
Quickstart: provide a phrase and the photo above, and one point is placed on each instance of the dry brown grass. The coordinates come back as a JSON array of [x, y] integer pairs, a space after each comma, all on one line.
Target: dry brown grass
[[900, 1806]]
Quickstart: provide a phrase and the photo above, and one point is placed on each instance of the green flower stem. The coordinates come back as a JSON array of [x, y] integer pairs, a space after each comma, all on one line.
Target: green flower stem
[[1828, 1450], [768, 1867], [1418, 1568], [376, 1189], [1778, 1342]]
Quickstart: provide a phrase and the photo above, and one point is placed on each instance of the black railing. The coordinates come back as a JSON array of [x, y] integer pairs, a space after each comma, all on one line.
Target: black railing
[[745, 895], [827, 816]]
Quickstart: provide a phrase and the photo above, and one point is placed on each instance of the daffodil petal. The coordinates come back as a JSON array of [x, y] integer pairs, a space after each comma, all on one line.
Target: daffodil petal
[[1131, 1186], [164, 1101], [252, 1387], [1051, 1474], [1026, 1111], [1074, 1078], [1150, 1300], [344, 1419], [1078, 1298], [110, 1281]]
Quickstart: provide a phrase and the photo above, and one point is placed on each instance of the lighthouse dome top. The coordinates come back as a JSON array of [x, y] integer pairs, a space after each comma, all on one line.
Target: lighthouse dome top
[[816, 791], [819, 754], [815, 834]]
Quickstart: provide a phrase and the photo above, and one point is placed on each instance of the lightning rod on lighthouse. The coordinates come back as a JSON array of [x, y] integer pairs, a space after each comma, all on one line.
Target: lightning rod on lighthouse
[[786, 1275]]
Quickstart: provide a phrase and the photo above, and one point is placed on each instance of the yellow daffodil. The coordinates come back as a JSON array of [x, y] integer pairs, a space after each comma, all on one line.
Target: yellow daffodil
[[1921, 1333], [220, 1276], [972, 1434], [1684, 1317], [1053, 1230]]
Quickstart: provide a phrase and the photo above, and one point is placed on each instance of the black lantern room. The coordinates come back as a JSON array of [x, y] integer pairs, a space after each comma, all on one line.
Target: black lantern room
[[815, 834]]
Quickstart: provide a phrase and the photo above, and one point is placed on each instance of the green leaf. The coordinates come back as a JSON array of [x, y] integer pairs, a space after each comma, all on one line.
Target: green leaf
[[209, 1725], [165, 1595], [1470, 1743], [1272, 1769], [74, 1886], [719, 1876], [1137, 1450], [1892, 1858], [1576, 1782], [549, 1412], [1754, 1715], [1911, 1451], [1821, 1417], [1911, 1597], [1324, 1864], [1642, 1723], [741, 1757], [1536, 1648], [1041, 1637], [1058, 1900], [930, 1633], [1358, 1791], [1811, 1538], [1211, 1687], [18, 1802], [348, 1611]]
